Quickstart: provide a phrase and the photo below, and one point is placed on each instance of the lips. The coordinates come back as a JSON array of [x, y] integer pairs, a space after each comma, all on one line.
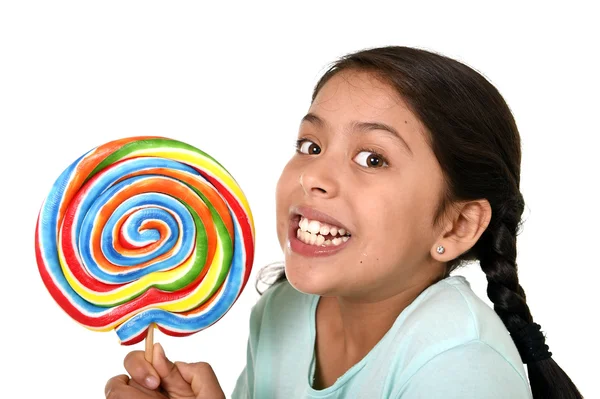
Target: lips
[[307, 250]]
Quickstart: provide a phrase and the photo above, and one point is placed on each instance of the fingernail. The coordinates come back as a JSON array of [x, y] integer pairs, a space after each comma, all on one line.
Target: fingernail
[[151, 382]]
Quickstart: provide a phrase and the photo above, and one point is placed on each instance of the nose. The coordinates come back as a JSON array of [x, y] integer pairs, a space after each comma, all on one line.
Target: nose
[[318, 179]]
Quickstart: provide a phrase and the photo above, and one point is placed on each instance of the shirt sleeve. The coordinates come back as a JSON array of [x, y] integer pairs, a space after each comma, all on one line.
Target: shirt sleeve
[[472, 370], [244, 387]]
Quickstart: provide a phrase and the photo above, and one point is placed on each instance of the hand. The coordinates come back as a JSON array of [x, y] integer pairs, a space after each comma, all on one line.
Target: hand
[[163, 379]]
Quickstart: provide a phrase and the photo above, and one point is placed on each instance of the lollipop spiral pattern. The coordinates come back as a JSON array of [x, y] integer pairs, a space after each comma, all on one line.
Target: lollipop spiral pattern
[[142, 231]]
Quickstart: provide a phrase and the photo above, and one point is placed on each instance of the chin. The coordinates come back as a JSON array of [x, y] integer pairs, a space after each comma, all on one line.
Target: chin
[[307, 277]]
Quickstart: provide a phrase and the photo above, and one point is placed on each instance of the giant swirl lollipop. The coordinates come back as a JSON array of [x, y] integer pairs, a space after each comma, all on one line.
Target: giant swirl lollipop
[[145, 231]]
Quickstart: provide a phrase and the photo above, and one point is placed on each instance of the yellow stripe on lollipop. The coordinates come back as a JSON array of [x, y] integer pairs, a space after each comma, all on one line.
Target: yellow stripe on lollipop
[[200, 295], [194, 159], [136, 288], [204, 290], [132, 289]]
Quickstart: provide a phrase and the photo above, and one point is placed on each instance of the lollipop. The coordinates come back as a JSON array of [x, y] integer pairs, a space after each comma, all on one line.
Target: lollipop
[[142, 232]]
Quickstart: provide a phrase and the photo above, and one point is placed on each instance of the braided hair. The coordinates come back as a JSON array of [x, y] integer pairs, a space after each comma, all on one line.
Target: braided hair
[[474, 137]]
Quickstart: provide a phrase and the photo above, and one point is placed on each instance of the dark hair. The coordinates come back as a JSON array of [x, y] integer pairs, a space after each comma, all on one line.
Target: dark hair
[[475, 139]]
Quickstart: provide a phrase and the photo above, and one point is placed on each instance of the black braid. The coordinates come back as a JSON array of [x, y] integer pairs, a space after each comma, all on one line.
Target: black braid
[[497, 251], [497, 256]]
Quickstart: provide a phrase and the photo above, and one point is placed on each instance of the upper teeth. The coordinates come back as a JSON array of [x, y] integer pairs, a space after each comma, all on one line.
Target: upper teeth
[[316, 227]]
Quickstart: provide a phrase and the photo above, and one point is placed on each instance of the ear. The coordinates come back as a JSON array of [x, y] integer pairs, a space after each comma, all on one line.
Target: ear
[[466, 224]]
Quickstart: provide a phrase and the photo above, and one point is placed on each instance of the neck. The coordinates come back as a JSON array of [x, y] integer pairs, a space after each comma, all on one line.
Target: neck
[[360, 324]]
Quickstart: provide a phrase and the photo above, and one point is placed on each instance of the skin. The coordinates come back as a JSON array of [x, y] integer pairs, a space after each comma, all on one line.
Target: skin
[[163, 379], [390, 258]]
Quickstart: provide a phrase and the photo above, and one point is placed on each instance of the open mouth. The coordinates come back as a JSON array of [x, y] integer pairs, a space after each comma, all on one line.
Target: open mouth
[[319, 233]]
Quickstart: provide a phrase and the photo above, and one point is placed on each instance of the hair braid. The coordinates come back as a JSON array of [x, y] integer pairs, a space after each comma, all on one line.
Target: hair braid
[[497, 249], [497, 257]]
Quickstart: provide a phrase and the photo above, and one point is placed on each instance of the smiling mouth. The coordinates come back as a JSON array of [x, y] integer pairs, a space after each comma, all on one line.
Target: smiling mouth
[[317, 233]]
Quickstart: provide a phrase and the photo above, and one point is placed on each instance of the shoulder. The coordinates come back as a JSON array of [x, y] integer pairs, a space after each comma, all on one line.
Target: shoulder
[[473, 369], [450, 311], [449, 318]]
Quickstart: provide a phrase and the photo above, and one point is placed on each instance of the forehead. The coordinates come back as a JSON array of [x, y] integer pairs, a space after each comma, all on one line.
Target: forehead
[[363, 93], [359, 96]]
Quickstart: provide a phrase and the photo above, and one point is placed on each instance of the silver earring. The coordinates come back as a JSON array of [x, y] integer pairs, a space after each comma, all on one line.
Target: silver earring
[[440, 249]]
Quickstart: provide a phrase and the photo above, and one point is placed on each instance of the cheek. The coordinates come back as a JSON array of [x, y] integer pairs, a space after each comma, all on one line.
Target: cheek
[[282, 199], [395, 226], [282, 190]]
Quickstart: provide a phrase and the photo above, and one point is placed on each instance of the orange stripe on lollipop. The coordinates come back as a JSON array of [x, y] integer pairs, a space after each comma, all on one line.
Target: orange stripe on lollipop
[[206, 189], [154, 185], [127, 248], [88, 164]]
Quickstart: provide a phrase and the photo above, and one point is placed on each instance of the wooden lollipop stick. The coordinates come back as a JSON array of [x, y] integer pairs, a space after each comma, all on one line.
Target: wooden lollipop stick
[[149, 343]]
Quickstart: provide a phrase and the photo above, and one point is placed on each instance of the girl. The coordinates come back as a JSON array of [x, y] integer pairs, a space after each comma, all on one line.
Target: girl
[[407, 167]]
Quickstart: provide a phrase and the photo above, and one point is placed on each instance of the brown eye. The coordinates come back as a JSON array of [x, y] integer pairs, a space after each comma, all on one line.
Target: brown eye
[[308, 147], [370, 159]]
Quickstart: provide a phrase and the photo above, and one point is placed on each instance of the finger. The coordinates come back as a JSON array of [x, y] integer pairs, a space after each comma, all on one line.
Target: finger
[[170, 378], [115, 383], [151, 393], [202, 379], [117, 388], [140, 370]]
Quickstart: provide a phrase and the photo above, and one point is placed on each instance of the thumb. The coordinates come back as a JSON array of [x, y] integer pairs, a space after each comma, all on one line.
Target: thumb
[[170, 377], [202, 379]]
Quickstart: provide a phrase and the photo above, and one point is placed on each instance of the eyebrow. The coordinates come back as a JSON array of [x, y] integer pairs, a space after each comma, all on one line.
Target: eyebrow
[[361, 126]]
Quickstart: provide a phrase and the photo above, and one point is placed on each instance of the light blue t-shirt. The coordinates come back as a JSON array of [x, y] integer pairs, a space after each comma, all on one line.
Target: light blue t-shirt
[[447, 344]]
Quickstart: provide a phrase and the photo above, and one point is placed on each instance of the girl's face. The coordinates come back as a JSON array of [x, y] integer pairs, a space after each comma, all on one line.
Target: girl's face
[[362, 166]]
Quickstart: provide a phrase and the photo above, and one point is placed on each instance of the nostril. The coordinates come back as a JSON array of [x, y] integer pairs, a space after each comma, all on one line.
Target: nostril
[[320, 190]]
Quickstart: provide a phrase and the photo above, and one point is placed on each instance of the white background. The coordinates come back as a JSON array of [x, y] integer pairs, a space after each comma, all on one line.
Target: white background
[[234, 80]]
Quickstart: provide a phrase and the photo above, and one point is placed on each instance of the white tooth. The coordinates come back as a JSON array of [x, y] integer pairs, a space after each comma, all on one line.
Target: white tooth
[[333, 231], [342, 232], [313, 239], [314, 226], [327, 243], [324, 230], [337, 241], [306, 237], [345, 238], [298, 232], [304, 224], [320, 240]]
